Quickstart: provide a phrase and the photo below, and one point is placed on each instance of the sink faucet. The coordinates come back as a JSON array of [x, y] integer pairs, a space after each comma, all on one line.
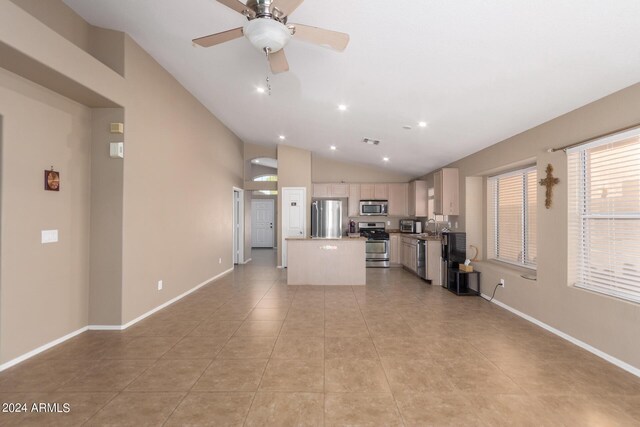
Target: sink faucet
[[435, 225]]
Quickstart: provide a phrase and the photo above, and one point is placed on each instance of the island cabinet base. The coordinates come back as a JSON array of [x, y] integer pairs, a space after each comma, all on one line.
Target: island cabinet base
[[326, 262]]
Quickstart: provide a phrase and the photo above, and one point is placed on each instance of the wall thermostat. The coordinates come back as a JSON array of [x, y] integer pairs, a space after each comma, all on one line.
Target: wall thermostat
[[116, 150], [116, 127]]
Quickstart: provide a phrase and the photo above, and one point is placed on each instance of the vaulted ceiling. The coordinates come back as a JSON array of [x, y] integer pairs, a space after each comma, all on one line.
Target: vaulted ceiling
[[476, 72]]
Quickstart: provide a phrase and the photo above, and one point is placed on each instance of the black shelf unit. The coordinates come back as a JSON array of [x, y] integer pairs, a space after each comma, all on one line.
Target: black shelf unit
[[464, 283]]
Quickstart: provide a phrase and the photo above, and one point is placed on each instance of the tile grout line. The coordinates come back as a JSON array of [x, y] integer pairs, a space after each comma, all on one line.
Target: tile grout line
[[149, 367], [204, 370], [381, 366], [268, 360]]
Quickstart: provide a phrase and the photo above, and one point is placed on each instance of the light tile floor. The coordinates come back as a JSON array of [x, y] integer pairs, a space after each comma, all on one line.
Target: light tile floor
[[250, 350]]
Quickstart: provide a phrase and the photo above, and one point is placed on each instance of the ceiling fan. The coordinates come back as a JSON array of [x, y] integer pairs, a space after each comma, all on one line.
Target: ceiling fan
[[267, 30]]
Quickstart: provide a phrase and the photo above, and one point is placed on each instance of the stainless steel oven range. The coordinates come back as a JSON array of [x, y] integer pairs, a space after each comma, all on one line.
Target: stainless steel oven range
[[377, 244]]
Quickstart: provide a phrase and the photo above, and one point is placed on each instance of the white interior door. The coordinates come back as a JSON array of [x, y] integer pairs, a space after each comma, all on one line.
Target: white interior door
[[262, 217], [238, 230], [294, 216]]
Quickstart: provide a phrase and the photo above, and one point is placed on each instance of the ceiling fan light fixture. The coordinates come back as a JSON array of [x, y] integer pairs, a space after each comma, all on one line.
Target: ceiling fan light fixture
[[264, 33]]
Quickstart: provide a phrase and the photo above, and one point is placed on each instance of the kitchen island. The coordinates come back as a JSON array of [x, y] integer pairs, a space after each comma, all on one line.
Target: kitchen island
[[326, 261]]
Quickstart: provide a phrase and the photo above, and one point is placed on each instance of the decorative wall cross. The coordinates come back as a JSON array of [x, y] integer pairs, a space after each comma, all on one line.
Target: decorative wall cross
[[549, 182]]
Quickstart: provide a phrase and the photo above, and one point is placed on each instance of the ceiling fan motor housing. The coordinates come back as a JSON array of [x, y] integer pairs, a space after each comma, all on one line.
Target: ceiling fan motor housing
[[265, 33]]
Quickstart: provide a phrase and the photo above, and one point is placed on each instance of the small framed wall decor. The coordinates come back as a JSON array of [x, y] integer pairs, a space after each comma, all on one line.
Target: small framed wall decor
[[51, 180]]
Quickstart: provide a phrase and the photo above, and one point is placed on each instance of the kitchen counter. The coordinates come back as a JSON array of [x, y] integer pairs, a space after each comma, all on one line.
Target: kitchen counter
[[319, 239], [419, 236], [326, 261]]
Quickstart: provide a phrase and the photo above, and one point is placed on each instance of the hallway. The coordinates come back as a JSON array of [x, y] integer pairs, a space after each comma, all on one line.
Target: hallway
[[250, 350]]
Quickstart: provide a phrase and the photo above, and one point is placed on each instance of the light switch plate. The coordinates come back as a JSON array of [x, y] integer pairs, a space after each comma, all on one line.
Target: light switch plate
[[116, 150], [49, 236]]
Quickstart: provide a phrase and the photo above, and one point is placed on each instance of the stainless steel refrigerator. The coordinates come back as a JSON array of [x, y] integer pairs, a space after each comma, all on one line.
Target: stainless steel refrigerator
[[326, 219]]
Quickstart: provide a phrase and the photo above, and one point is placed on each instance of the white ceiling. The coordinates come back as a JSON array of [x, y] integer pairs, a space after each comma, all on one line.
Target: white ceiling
[[476, 71]]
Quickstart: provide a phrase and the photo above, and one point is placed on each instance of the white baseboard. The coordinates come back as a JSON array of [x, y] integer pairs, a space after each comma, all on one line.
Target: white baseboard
[[105, 327], [619, 363], [247, 261], [40, 349], [158, 308], [60, 340]]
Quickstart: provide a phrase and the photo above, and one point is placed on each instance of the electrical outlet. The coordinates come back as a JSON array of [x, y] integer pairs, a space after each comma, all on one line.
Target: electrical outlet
[[159, 285], [388, 222], [502, 282], [219, 260], [455, 225]]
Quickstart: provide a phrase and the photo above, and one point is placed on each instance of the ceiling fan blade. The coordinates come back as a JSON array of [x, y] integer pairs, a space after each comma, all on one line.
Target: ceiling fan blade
[[239, 7], [322, 37], [218, 38], [278, 62], [286, 7]]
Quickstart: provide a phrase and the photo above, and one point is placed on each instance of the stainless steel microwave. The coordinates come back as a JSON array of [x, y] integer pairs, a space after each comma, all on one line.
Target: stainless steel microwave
[[373, 208]]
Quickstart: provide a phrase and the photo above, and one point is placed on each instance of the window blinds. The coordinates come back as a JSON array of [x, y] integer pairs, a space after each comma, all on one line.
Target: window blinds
[[512, 217], [604, 215]]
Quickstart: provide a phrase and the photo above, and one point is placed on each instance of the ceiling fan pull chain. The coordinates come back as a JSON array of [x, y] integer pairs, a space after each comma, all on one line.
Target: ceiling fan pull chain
[[267, 51]]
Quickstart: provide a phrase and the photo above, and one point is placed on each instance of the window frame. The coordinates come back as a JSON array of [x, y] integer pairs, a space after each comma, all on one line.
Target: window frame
[[579, 239], [524, 231]]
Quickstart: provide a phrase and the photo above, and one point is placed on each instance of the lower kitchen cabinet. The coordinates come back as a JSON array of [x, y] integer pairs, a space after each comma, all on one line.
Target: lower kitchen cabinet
[[394, 249], [434, 262], [409, 253]]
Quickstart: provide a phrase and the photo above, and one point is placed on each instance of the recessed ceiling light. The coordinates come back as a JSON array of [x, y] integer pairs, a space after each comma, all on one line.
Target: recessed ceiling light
[[422, 124], [282, 137], [260, 90], [257, 161], [333, 147], [342, 107], [385, 159]]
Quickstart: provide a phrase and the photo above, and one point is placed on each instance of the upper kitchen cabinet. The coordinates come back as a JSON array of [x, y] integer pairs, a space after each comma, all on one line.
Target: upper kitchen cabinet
[[381, 191], [339, 190], [374, 191], [354, 200], [398, 195], [446, 192], [320, 190], [331, 190], [418, 198]]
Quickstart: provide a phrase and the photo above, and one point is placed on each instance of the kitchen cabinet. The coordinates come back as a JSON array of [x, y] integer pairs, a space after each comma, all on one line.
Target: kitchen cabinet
[[354, 200], [374, 191], [339, 190], [367, 191], [434, 262], [394, 249], [381, 191], [398, 199], [331, 190], [446, 192], [320, 190], [418, 199], [409, 253]]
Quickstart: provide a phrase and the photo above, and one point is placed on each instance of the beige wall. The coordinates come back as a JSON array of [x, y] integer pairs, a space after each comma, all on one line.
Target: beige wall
[[44, 288], [324, 169], [607, 324], [180, 167], [294, 170], [177, 177], [105, 296], [104, 45]]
